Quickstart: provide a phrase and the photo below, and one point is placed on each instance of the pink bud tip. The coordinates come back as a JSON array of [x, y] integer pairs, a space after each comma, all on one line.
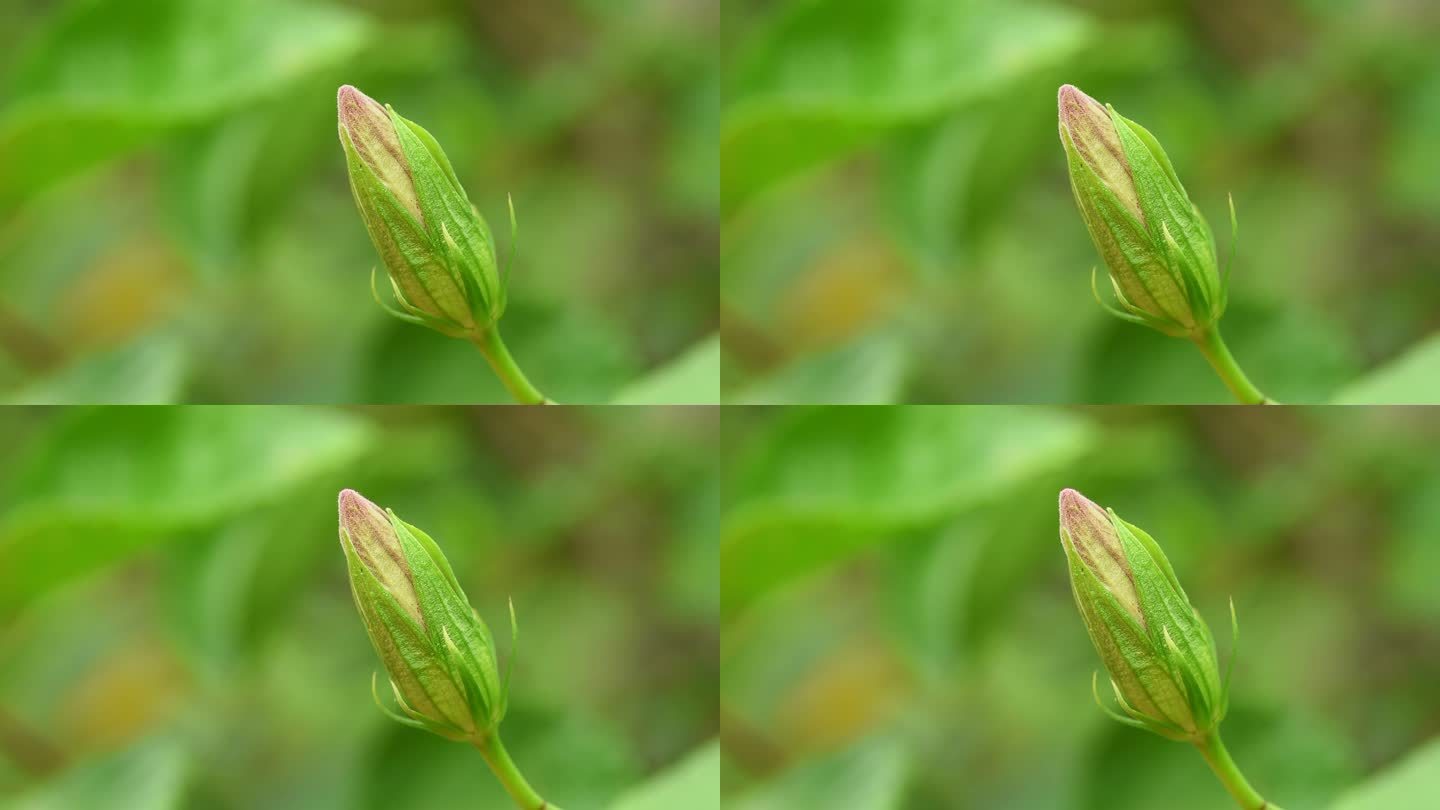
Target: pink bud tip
[[367, 528], [1086, 124], [368, 127], [353, 104], [1087, 528]]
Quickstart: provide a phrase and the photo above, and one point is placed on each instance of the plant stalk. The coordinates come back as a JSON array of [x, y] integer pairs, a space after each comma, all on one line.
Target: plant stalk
[[493, 347], [1218, 758], [1213, 347], [510, 777]]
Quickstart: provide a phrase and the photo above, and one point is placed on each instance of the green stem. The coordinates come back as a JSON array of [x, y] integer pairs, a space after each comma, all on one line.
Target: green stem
[[510, 778], [493, 347], [1229, 775], [1213, 347]]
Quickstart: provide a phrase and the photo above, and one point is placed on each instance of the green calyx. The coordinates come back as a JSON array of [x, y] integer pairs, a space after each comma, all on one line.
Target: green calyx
[[1161, 258], [442, 264], [442, 668], [1162, 663]]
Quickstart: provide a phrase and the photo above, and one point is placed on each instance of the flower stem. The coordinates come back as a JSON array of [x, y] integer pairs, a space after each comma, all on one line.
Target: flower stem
[[1213, 347], [510, 778], [1229, 775], [493, 347]]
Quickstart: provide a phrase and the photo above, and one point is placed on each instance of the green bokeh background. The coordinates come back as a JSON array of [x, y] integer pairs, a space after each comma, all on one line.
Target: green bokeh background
[[177, 630], [898, 631], [898, 226], [176, 224]]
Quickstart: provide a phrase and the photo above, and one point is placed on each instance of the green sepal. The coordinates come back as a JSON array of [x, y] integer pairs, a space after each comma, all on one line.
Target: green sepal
[[1230, 663], [402, 719], [446, 730], [452, 624], [420, 678], [510, 662], [452, 221], [1162, 600], [1168, 207], [512, 254], [1173, 625], [1135, 665], [409, 315], [1145, 284], [423, 282], [1111, 713], [1230, 259], [1126, 311], [1152, 724]]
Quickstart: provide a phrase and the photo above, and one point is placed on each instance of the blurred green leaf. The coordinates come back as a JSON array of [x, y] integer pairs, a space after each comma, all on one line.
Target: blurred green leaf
[[691, 379], [929, 172], [829, 482], [111, 75], [931, 590], [870, 776], [1294, 760], [574, 357], [575, 761], [693, 783], [1293, 355], [148, 776], [1413, 555], [868, 371], [1413, 377], [826, 77], [149, 371], [1411, 162], [235, 584], [1413, 782], [106, 482]]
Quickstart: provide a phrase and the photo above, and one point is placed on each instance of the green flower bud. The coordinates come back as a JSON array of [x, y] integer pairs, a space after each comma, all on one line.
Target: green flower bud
[[1158, 651], [438, 652], [1157, 246], [437, 249]]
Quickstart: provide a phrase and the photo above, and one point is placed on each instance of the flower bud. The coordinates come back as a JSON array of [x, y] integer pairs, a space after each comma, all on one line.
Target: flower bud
[[439, 654], [1158, 651], [1156, 245], [436, 248]]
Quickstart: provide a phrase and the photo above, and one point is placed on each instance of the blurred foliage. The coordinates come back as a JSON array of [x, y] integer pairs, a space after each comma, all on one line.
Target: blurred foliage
[[176, 628], [927, 653], [898, 226], [175, 223]]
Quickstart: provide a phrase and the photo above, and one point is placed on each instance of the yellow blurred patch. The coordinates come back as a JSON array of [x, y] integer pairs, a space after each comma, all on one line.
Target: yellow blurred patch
[[842, 699], [129, 692], [123, 293], [845, 292]]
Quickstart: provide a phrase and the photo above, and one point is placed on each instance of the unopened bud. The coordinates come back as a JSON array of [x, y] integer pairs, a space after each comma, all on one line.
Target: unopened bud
[[1157, 650], [437, 250], [439, 654], [1156, 245]]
